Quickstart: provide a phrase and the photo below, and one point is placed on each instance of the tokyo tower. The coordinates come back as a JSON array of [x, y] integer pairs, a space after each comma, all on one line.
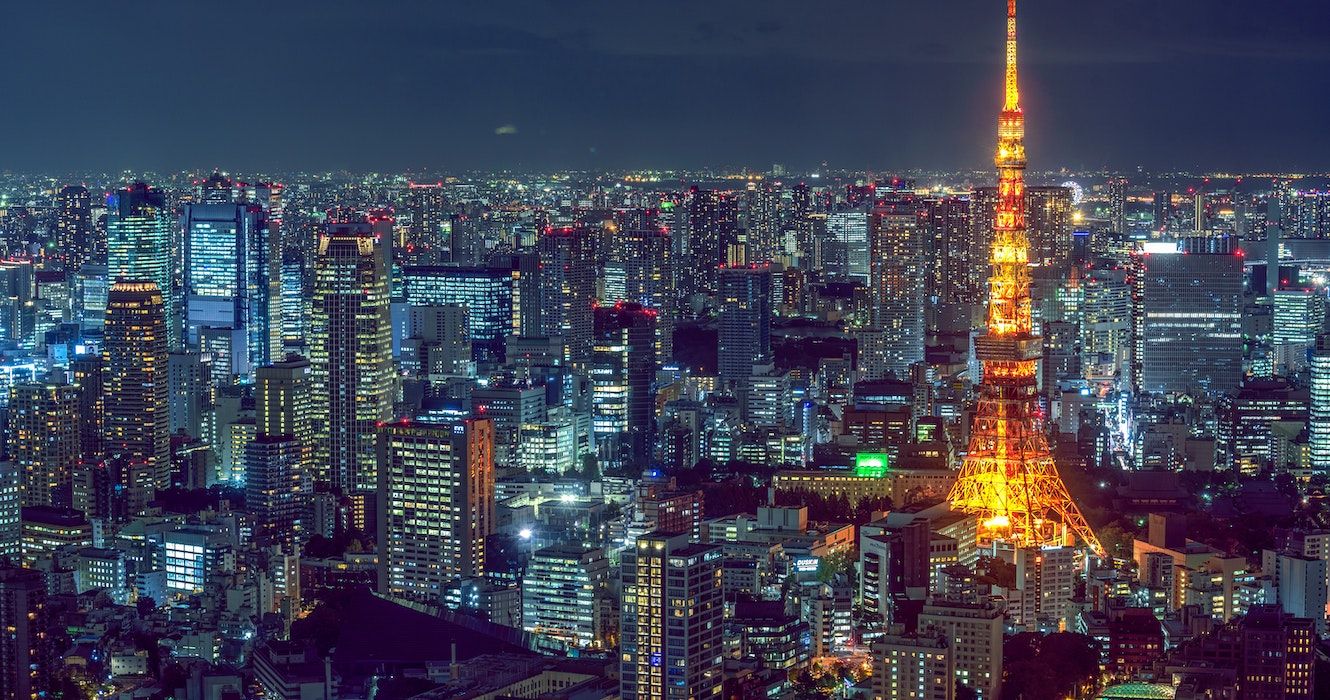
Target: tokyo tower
[[1008, 478]]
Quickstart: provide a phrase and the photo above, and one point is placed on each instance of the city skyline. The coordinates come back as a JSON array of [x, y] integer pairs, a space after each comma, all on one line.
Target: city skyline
[[602, 86], [779, 430]]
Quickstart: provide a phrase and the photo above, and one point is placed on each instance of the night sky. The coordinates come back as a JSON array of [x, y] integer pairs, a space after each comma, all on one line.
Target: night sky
[[1172, 84]]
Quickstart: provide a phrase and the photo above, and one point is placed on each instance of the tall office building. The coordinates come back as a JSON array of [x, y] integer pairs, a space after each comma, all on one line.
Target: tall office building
[[437, 342], [1048, 213], [426, 230], [140, 237], [266, 308], [350, 354], [1105, 321], [278, 489], [228, 277], [295, 302], [88, 373], [983, 210], [137, 397], [623, 366], [189, 377], [671, 615], [1244, 419], [1163, 211], [436, 504], [1188, 317], [1117, 203], [897, 280], [563, 591], [713, 236], [509, 405], [1318, 422], [283, 404], [762, 221], [952, 280], [744, 336], [568, 288], [844, 249], [648, 279], [73, 227], [44, 441], [485, 292], [1299, 317], [27, 660], [527, 293]]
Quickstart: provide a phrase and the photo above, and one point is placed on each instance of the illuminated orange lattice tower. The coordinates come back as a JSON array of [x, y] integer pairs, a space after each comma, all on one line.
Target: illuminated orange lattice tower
[[1008, 478]]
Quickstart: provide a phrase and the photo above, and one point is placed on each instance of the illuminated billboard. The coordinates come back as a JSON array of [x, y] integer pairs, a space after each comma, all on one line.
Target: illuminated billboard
[[872, 464]]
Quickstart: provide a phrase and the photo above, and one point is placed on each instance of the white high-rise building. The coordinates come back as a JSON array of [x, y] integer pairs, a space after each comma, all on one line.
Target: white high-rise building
[[562, 590]]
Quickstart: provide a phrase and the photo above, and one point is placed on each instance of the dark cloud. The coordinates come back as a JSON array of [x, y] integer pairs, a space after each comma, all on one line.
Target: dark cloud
[[592, 83]]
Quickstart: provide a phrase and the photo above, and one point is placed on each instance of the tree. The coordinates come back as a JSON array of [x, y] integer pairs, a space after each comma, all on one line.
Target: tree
[[1048, 667]]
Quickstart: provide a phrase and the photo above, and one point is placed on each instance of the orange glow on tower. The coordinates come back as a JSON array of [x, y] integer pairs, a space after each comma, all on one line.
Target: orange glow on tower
[[1008, 478]]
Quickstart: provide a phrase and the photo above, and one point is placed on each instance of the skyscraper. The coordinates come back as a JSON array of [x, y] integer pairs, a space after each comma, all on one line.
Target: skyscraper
[[73, 227], [744, 336], [139, 242], [1318, 422], [897, 279], [44, 441], [137, 393], [283, 402], [11, 514], [845, 250], [954, 279], [485, 292], [1299, 317], [1117, 203], [277, 489], [762, 221], [88, 373], [1188, 317], [426, 204], [227, 276], [350, 354], [670, 641], [436, 504], [568, 288], [437, 342], [649, 280], [623, 366], [266, 308], [713, 234], [1049, 213]]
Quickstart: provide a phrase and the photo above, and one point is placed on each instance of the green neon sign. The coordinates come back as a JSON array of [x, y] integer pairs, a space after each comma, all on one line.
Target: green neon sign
[[871, 464]]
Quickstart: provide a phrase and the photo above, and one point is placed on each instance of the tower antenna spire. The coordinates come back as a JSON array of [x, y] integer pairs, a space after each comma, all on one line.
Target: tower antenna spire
[[1013, 94]]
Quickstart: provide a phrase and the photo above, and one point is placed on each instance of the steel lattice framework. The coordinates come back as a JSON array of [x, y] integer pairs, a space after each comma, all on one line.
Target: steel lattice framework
[[1008, 478]]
